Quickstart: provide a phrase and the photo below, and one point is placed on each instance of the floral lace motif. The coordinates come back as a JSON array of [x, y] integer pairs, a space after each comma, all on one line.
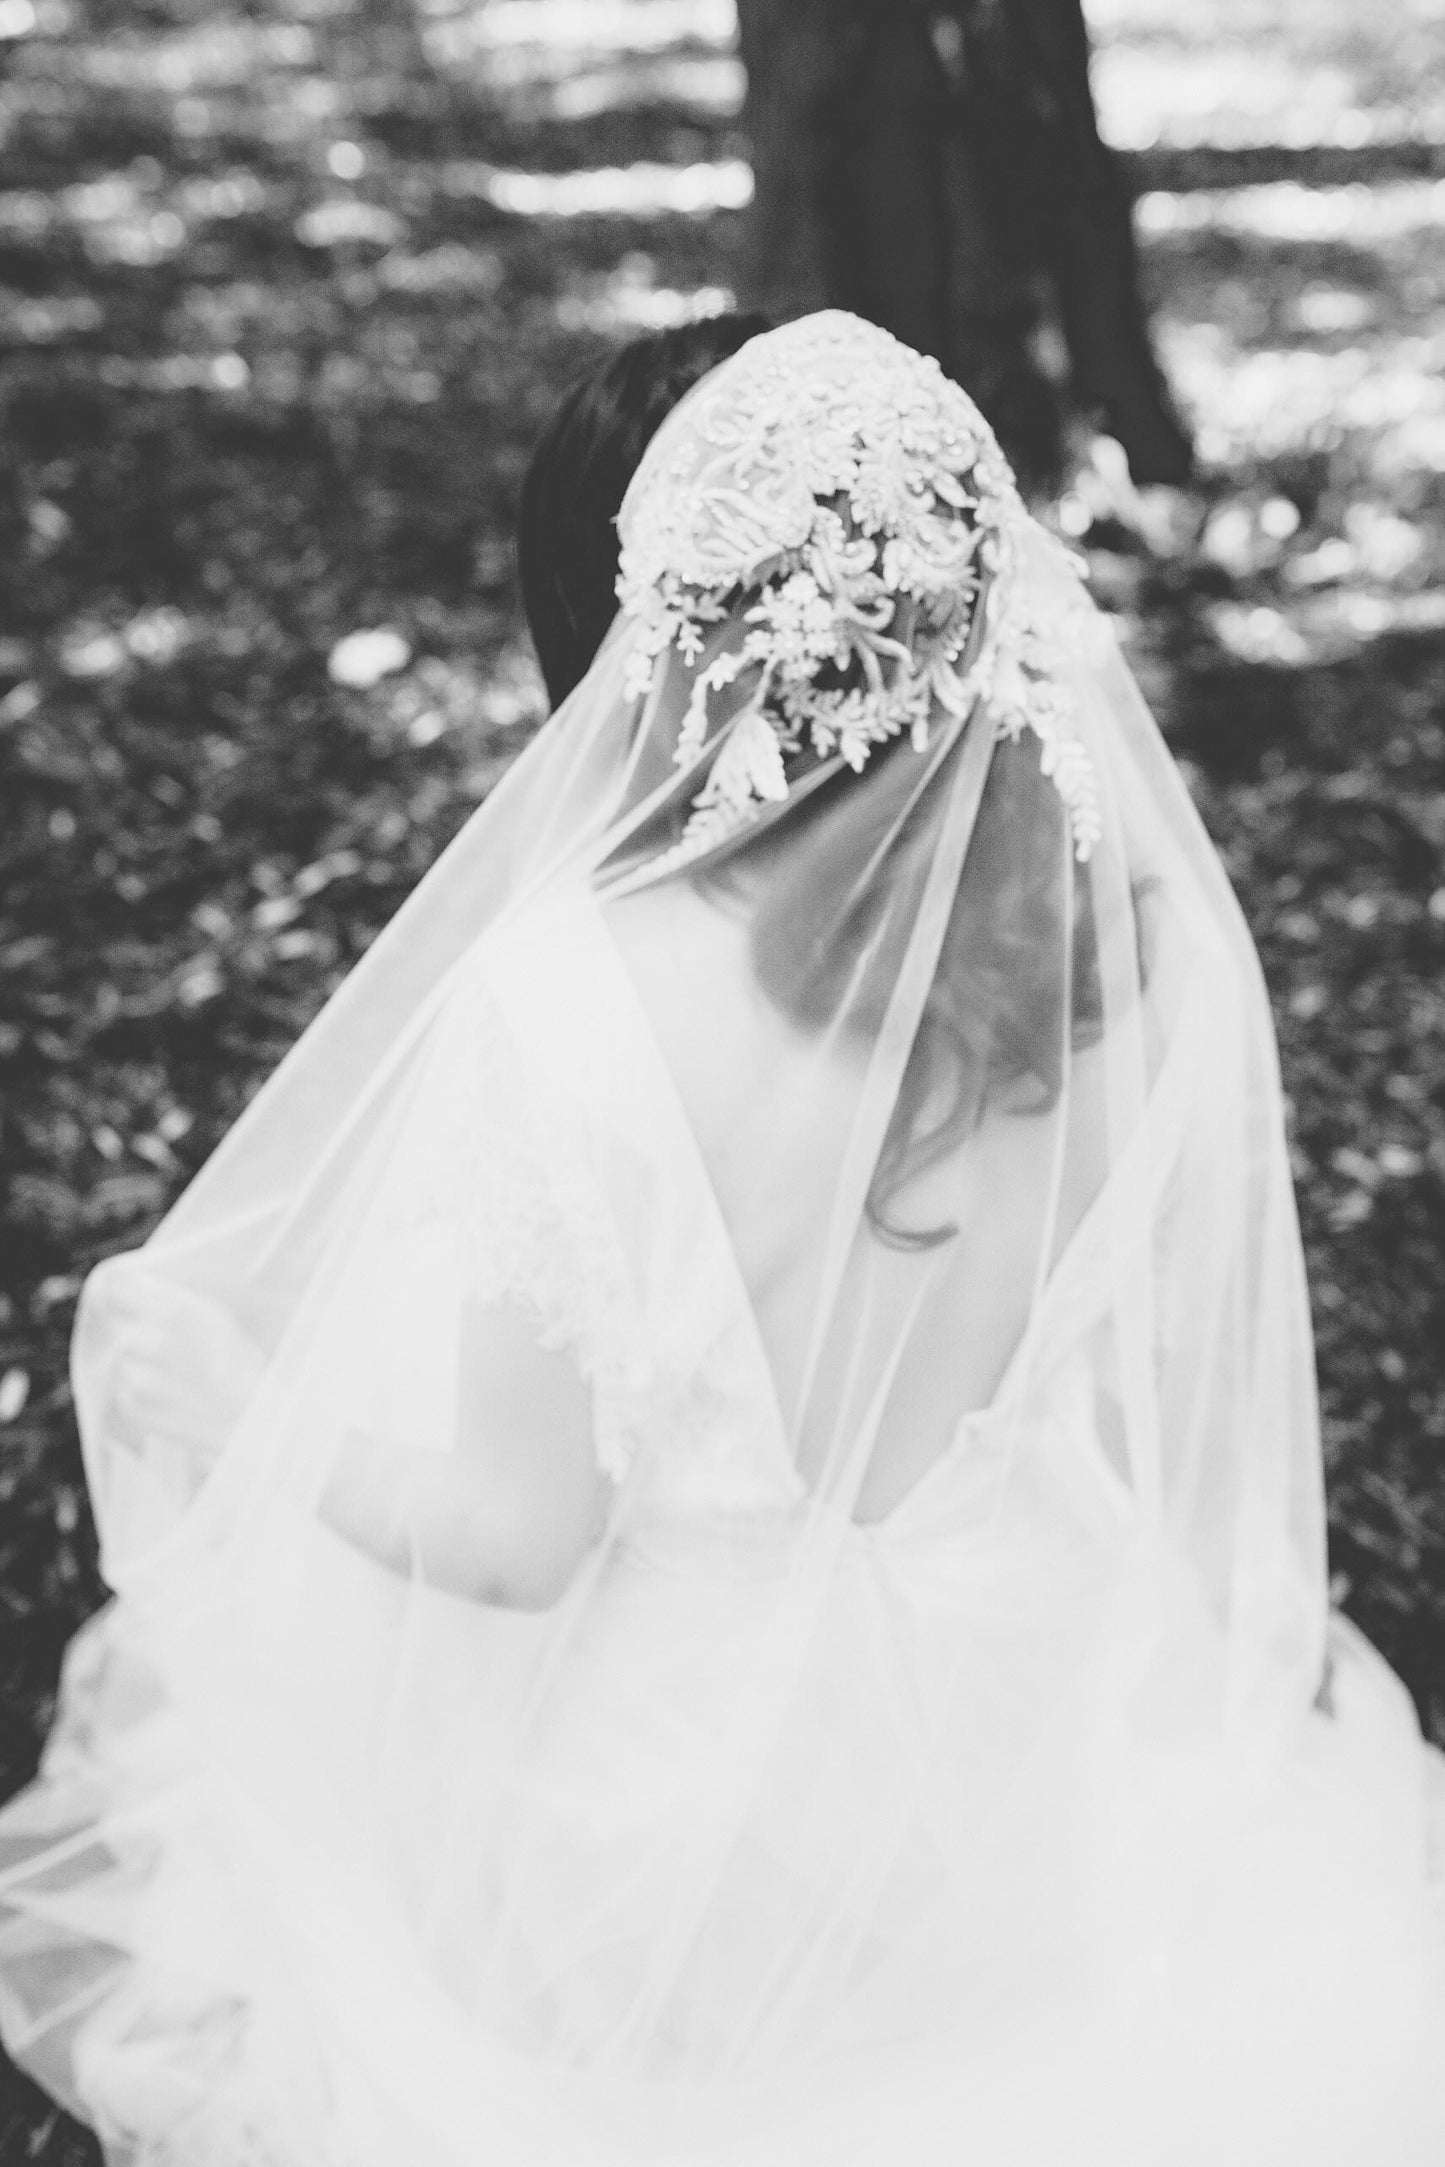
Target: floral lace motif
[[509, 1172], [834, 498]]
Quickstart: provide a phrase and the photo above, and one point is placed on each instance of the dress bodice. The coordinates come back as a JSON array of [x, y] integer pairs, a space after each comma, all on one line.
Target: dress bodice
[[565, 1155], [580, 1187]]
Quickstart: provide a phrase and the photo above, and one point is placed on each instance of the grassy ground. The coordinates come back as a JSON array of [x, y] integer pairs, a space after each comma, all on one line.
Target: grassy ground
[[272, 353]]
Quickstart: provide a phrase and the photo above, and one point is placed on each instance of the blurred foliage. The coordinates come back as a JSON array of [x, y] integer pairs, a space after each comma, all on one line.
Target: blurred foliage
[[273, 349]]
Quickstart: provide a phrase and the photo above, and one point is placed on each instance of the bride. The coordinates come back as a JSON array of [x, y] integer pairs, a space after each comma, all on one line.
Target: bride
[[714, 1501]]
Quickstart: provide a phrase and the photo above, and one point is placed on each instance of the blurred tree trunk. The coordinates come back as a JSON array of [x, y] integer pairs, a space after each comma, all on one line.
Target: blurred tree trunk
[[375, 49], [932, 165], [1056, 196]]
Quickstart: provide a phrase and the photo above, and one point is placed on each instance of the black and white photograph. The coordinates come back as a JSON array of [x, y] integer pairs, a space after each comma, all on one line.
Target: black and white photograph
[[722, 1083]]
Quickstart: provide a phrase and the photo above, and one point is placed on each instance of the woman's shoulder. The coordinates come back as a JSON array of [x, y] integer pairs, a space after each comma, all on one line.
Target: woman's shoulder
[[617, 1011]]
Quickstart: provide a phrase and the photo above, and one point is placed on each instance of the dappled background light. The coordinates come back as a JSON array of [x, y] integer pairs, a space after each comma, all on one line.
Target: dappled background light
[[316, 208], [287, 288]]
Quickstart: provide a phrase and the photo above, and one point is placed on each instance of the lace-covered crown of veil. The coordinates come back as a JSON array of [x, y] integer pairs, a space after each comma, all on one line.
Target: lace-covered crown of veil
[[835, 497]]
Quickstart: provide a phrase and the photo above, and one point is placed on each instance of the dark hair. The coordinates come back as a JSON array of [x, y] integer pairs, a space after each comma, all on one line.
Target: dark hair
[[578, 476], [1016, 983], [1017, 979]]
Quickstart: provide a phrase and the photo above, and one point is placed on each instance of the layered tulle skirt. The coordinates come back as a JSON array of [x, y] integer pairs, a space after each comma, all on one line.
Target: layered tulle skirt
[[243, 1923]]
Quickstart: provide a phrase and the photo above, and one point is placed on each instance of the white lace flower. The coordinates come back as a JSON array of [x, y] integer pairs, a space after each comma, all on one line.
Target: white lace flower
[[828, 453], [800, 624], [750, 766], [890, 489], [860, 728], [846, 500]]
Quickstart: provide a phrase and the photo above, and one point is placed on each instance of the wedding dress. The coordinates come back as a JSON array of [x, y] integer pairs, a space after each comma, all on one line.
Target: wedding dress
[[831, 1079]]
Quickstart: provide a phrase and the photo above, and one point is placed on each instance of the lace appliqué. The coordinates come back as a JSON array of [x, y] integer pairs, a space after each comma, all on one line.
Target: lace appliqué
[[841, 510], [1017, 679], [502, 1164], [701, 1435]]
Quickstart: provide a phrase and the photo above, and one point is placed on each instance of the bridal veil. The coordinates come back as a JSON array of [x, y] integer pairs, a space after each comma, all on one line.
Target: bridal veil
[[836, 1050]]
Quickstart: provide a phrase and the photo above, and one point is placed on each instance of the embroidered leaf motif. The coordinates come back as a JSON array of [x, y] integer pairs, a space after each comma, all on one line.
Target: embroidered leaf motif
[[840, 500]]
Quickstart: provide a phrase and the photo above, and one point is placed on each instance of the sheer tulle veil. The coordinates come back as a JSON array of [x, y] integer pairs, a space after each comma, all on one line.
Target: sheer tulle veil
[[837, 1037]]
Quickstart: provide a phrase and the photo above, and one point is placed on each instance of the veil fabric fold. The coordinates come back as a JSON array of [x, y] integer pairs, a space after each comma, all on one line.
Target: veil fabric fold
[[870, 1158]]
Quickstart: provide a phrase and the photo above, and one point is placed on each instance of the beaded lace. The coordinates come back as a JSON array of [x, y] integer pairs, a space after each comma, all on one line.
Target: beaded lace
[[830, 520]]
